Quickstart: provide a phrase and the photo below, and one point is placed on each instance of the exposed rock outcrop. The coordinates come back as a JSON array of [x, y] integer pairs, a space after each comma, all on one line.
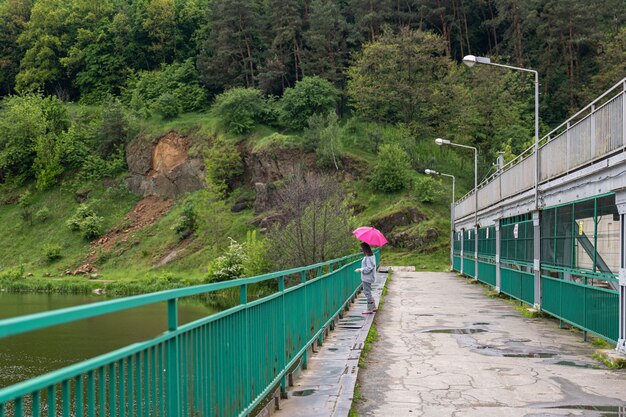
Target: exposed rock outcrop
[[403, 217], [413, 240], [164, 167]]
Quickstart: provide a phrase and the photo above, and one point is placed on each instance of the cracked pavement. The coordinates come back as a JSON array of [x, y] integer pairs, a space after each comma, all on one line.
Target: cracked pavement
[[446, 349]]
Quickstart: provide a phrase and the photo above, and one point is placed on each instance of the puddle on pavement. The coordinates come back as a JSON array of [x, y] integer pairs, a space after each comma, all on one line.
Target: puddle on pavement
[[456, 331], [542, 355], [577, 365], [333, 349], [605, 410], [303, 393], [481, 324]]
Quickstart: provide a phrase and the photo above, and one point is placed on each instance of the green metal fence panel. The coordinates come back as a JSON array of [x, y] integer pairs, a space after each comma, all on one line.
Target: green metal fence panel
[[220, 365], [487, 273], [516, 241], [458, 238], [518, 284], [487, 242], [587, 307], [468, 267], [469, 243], [582, 236], [456, 263]]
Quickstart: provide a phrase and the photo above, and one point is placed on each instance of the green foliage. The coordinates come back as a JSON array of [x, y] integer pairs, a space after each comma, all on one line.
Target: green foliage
[[116, 126], [223, 164], [26, 210], [12, 274], [229, 265], [96, 167], [91, 227], [167, 106], [42, 214], [239, 109], [174, 86], [329, 143], [187, 222], [240, 260], [256, 260], [52, 251], [427, 189], [86, 221], [310, 96], [30, 126], [392, 169], [394, 78]]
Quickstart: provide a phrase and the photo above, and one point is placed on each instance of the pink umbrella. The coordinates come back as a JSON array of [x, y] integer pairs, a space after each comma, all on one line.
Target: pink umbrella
[[370, 235]]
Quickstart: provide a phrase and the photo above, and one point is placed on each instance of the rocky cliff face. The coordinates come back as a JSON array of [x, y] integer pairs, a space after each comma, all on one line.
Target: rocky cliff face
[[163, 167]]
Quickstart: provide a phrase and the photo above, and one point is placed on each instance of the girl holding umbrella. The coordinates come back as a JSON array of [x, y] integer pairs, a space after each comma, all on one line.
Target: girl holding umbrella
[[368, 236]]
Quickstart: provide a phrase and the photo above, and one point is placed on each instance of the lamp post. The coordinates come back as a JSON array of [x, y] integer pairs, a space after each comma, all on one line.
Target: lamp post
[[432, 172], [442, 142], [470, 61]]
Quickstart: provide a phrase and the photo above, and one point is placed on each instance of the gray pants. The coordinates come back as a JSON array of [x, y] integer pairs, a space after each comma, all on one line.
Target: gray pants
[[367, 291]]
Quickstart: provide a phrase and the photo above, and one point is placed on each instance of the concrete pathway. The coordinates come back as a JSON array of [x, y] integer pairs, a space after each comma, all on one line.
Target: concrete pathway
[[326, 387], [446, 349]]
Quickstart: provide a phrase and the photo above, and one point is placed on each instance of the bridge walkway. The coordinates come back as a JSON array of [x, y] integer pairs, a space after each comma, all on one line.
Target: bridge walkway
[[446, 349]]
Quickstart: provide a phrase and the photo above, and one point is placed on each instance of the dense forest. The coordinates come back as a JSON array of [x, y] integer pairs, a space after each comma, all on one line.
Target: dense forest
[[376, 80], [390, 61]]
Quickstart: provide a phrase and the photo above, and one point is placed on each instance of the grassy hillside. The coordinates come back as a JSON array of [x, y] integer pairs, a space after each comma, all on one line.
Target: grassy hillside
[[142, 254]]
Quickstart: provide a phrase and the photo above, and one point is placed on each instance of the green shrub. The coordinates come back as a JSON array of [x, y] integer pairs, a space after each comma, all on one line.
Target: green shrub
[[239, 109], [12, 274], [42, 214], [92, 227], [392, 170], [25, 204], [223, 164], [82, 211], [177, 79], [230, 265], [187, 222], [310, 96], [52, 251], [86, 221], [256, 260], [427, 189], [167, 106]]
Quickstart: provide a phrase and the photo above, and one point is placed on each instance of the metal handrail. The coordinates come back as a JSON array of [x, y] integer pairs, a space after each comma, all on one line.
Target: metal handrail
[[195, 372], [549, 137]]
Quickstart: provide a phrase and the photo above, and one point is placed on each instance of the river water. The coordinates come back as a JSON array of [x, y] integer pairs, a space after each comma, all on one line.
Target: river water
[[32, 354]]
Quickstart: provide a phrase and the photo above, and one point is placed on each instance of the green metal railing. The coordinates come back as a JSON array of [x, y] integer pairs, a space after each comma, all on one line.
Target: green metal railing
[[487, 273], [518, 284], [221, 365], [456, 263], [468, 266], [587, 307]]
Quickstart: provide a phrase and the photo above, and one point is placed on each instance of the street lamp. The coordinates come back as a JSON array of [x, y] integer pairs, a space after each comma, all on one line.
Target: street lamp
[[470, 61], [441, 142], [432, 172]]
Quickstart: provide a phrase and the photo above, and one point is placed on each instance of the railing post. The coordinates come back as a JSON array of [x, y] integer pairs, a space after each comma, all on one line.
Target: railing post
[[537, 257], [462, 251], [172, 367], [305, 355], [592, 128], [243, 300], [620, 201], [282, 357], [476, 251], [498, 251], [624, 113]]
